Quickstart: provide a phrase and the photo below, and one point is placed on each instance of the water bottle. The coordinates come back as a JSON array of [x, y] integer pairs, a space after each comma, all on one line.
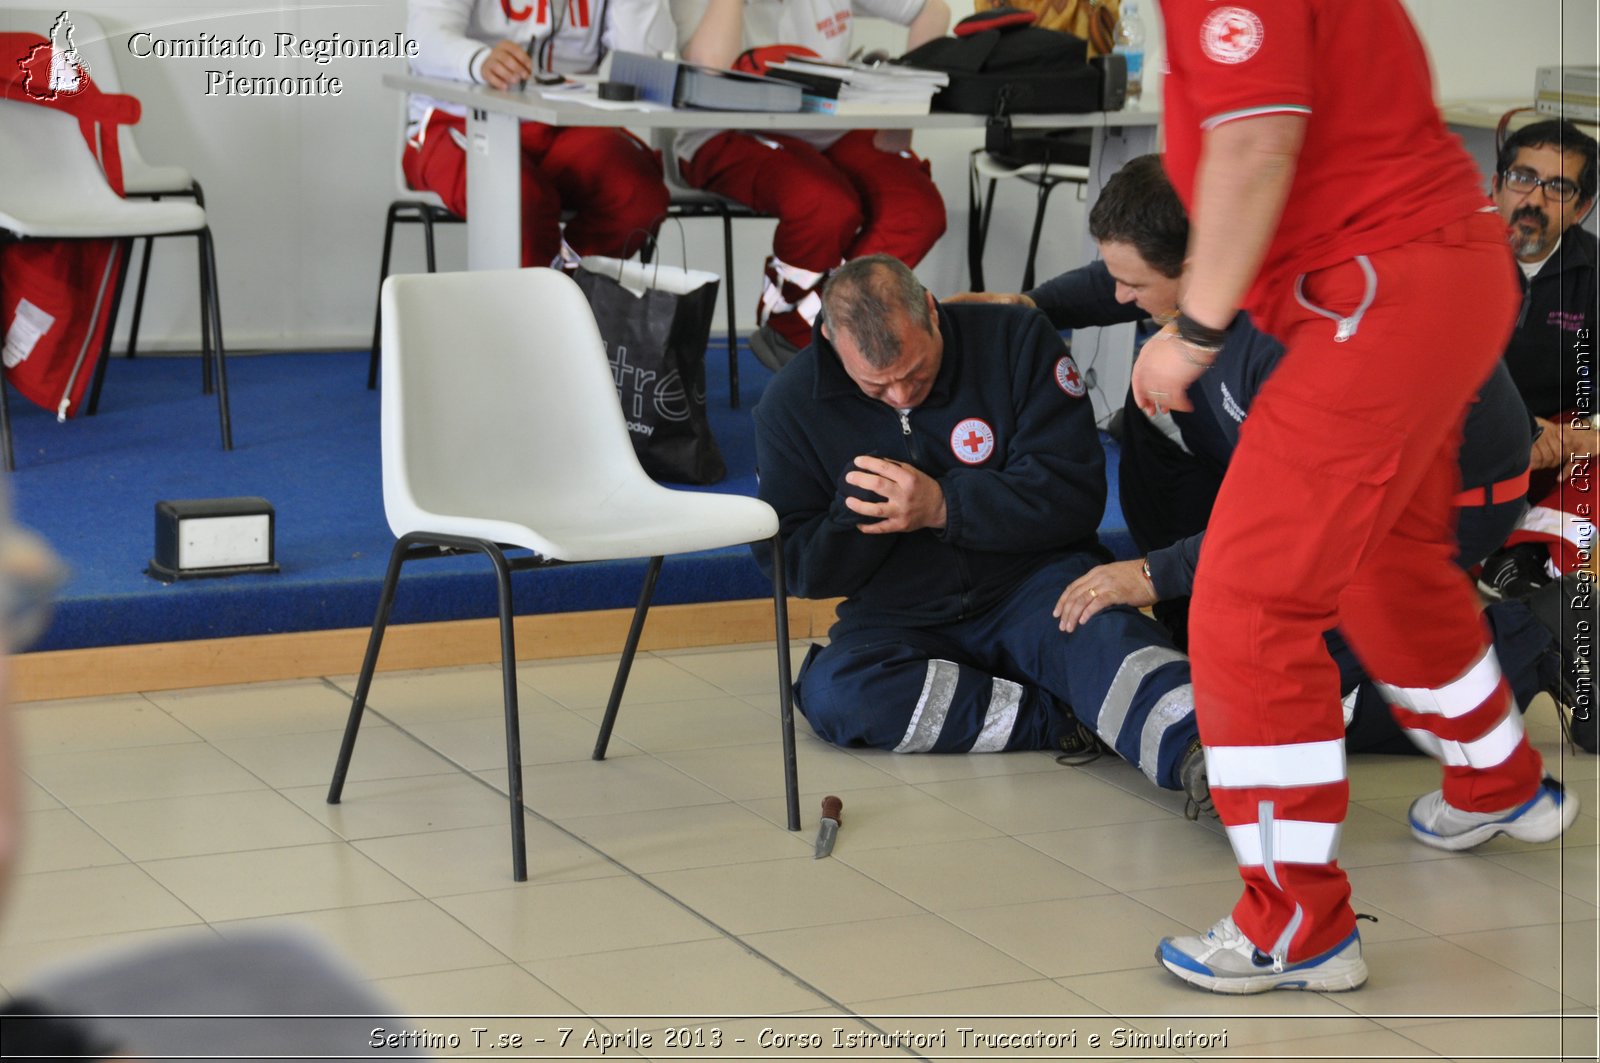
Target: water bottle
[[1130, 45]]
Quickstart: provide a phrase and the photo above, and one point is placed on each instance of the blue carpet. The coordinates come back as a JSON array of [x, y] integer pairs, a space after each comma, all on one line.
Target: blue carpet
[[306, 439]]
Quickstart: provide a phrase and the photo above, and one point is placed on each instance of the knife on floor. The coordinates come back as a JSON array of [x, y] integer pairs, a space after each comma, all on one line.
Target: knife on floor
[[828, 829]]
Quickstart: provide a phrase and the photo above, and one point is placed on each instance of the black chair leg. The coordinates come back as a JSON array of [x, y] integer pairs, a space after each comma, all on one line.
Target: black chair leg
[[415, 545], [626, 664], [508, 673], [1046, 186], [780, 605], [215, 301], [377, 311], [733, 333], [138, 297], [124, 251], [205, 318], [427, 238], [369, 664]]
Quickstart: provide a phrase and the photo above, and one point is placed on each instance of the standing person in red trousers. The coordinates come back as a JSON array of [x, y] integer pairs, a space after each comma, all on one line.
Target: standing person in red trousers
[[1332, 204], [837, 195]]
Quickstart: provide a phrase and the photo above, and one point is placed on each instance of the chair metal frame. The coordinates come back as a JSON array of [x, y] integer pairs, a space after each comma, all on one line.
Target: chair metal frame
[[406, 508], [213, 354], [1045, 177]]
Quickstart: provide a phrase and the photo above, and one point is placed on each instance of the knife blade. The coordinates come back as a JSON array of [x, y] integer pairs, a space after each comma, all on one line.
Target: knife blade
[[828, 828]]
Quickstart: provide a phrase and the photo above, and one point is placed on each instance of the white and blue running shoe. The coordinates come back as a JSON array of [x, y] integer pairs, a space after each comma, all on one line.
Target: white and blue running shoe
[[1541, 818], [1225, 961]]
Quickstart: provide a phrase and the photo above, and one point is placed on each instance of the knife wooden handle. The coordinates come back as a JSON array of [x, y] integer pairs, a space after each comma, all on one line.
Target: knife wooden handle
[[830, 808]]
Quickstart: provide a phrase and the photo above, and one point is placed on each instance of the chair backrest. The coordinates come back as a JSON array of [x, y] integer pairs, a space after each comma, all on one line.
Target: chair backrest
[[402, 188], [94, 48], [47, 174], [498, 401]]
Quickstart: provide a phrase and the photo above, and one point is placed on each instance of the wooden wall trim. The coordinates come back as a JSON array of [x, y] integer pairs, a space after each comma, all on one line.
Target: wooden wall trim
[[106, 670]]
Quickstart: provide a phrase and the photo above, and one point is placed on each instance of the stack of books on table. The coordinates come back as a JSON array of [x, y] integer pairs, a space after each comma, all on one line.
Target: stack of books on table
[[834, 88]]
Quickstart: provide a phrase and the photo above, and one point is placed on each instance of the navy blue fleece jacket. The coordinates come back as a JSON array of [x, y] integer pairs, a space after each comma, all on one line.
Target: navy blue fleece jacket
[[1005, 431]]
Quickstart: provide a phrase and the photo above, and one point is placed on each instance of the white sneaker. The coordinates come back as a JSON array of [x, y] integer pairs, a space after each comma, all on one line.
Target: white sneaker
[[1225, 961], [1541, 818]]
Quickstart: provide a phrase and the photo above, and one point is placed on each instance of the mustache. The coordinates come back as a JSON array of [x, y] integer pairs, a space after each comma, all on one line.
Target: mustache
[[1533, 214]]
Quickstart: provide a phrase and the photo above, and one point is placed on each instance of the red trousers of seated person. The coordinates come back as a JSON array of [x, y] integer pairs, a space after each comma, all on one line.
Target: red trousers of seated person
[[832, 206], [608, 178]]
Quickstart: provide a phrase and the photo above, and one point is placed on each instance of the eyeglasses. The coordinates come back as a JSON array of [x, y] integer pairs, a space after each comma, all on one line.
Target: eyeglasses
[[1525, 181]]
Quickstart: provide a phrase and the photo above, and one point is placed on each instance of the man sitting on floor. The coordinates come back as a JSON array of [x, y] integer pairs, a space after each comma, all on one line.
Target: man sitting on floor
[[1172, 465], [938, 466]]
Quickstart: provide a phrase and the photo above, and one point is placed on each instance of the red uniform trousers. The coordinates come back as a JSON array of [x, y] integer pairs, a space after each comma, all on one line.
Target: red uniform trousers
[[608, 178], [831, 206], [1562, 515], [1337, 512]]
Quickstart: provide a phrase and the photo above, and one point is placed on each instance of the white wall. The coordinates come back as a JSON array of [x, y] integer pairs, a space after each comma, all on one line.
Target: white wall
[[296, 189]]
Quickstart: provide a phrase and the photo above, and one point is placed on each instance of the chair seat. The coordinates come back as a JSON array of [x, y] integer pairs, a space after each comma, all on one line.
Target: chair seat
[[987, 165], [66, 220], [142, 179], [635, 524]]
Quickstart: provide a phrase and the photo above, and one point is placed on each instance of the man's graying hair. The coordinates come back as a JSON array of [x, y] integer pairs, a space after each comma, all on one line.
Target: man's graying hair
[[862, 299]]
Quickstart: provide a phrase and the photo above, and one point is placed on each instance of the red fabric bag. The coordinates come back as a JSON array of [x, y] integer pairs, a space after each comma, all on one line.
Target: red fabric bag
[[56, 295]]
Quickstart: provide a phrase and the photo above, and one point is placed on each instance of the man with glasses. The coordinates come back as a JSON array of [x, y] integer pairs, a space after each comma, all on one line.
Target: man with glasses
[[1544, 186]]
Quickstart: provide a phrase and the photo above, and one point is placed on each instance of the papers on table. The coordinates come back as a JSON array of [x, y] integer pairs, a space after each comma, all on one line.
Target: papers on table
[[836, 88]]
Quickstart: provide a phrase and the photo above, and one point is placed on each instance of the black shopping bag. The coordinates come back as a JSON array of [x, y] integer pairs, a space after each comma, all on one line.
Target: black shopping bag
[[656, 322]]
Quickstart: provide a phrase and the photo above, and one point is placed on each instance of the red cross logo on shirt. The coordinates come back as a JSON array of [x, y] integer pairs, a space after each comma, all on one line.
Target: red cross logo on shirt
[[1230, 35], [972, 441], [1068, 378]]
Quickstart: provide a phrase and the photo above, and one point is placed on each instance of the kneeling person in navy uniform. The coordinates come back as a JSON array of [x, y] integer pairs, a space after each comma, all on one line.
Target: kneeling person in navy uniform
[[938, 467]]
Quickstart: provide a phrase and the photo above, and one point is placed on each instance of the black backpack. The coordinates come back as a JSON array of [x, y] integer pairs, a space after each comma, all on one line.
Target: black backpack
[[1001, 64]]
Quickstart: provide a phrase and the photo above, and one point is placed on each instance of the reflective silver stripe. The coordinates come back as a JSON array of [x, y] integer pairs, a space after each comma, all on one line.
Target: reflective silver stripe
[[1498, 743], [1175, 706], [1493, 748], [927, 719], [1119, 695], [1001, 718], [1286, 841], [1457, 697], [1298, 764]]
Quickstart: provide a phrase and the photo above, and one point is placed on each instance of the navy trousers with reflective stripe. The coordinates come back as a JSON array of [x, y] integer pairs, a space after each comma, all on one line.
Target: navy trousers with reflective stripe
[[1005, 680]]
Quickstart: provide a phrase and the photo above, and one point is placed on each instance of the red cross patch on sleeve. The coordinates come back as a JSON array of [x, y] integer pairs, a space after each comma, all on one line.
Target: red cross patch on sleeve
[[972, 441], [1068, 378]]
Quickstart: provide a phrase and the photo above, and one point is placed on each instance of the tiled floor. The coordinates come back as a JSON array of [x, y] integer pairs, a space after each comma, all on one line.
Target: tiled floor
[[662, 884]]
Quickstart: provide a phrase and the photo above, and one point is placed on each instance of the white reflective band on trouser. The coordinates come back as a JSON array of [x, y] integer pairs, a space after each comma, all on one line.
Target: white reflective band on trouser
[[927, 719], [1133, 670], [1298, 764], [1294, 841], [1000, 719], [1487, 752], [1175, 706], [1457, 697]]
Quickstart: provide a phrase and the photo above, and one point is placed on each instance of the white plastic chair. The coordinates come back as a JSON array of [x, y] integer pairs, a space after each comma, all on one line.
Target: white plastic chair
[[51, 188], [141, 179], [1045, 177], [501, 430], [411, 206]]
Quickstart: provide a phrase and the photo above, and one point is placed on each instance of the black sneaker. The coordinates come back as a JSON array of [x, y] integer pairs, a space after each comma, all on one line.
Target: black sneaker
[[1515, 572], [771, 349], [1079, 746], [1192, 773]]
